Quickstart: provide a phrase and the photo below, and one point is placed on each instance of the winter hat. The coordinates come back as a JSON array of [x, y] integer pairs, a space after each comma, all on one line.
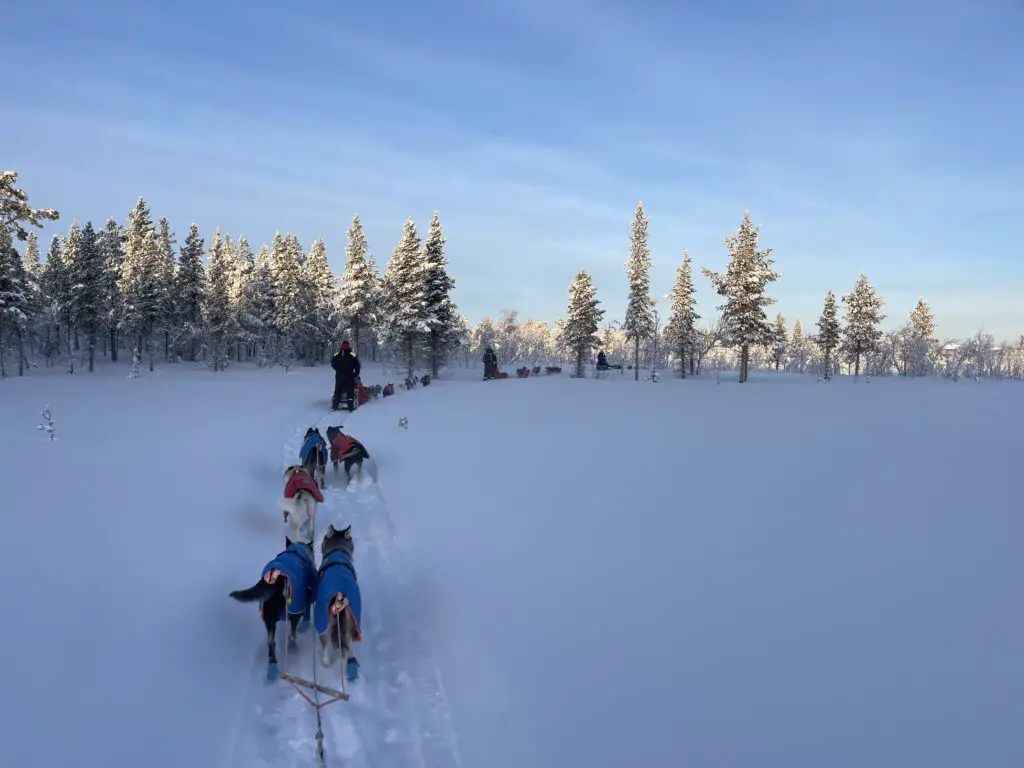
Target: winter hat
[[344, 345]]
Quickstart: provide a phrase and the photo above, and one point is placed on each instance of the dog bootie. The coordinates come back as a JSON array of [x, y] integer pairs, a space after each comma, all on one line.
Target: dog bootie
[[271, 671], [352, 669]]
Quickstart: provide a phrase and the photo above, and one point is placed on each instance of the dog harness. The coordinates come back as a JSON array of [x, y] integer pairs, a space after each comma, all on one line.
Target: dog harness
[[295, 565], [337, 578], [341, 445], [302, 480], [307, 447]]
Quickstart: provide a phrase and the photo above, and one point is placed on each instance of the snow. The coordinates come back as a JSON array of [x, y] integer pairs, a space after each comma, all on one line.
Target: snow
[[554, 572]]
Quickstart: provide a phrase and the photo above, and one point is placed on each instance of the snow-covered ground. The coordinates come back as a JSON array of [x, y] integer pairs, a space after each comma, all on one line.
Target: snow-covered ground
[[556, 572]]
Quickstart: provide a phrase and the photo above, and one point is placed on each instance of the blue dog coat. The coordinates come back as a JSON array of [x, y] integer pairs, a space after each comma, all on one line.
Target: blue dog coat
[[296, 565], [311, 441], [337, 574]]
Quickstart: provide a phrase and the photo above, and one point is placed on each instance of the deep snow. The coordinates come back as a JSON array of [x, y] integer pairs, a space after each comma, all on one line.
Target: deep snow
[[593, 573]]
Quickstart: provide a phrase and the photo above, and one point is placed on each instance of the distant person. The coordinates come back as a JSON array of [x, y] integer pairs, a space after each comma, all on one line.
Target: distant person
[[346, 370], [602, 361], [490, 364]]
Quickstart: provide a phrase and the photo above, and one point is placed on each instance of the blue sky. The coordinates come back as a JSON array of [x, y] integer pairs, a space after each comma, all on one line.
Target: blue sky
[[882, 136]]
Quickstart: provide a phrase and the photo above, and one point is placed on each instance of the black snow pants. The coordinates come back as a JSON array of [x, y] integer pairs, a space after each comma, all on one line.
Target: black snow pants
[[344, 387]]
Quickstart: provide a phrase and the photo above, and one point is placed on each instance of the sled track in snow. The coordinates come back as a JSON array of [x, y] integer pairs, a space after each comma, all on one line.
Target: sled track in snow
[[398, 714]]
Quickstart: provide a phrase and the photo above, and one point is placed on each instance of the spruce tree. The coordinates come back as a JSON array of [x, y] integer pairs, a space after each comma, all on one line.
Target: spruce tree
[[863, 314], [828, 332], [798, 348], [165, 267], [243, 269], [323, 287], [90, 284], [190, 287], [442, 315], [579, 332], [110, 242], [743, 285], [258, 303], [33, 270], [140, 280], [69, 304], [287, 291], [360, 285], [56, 290], [217, 302], [403, 298], [639, 323], [780, 341], [680, 332]]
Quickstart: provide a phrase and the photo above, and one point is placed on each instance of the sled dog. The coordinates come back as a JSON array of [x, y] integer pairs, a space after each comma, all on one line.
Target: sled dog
[[301, 495], [338, 607]]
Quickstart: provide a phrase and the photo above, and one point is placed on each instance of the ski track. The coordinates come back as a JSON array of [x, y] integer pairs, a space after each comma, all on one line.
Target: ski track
[[397, 714]]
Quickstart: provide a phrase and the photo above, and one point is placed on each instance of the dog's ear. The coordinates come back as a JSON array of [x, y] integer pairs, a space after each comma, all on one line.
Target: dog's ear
[[329, 532], [347, 533]]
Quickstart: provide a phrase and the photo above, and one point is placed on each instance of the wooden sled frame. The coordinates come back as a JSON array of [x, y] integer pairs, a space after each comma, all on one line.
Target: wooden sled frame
[[298, 683]]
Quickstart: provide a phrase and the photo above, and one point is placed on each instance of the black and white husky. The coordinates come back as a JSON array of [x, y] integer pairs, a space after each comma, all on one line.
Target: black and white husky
[[339, 606], [286, 590]]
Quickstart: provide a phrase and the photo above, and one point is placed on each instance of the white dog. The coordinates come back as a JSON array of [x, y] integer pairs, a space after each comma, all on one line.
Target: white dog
[[301, 496]]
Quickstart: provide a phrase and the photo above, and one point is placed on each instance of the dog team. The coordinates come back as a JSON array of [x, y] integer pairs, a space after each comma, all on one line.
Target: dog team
[[291, 587]]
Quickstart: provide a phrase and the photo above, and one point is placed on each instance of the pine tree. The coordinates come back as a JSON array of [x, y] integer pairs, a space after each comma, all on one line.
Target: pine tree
[[360, 285], [780, 341], [922, 338], [639, 323], [442, 315], [140, 280], [13, 295], [681, 329], [828, 332], [743, 285], [217, 302], [32, 268], [863, 314], [89, 287], [403, 308], [15, 212], [579, 333], [110, 243], [190, 287], [323, 287], [165, 278]]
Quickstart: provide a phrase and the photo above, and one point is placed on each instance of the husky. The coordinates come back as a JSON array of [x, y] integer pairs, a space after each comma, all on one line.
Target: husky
[[301, 495], [286, 589], [339, 606], [313, 455], [345, 448]]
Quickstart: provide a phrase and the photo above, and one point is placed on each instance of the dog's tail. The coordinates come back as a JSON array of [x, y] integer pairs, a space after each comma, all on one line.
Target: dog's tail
[[261, 591]]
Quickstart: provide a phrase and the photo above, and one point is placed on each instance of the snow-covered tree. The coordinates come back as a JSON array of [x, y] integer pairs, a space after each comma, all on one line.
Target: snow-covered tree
[[259, 317], [140, 280], [13, 295], [243, 268], [217, 302], [360, 285], [863, 315], [69, 305], [110, 242], [780, 341], [639, 323], [89, 288], [828, 333], [582, 320], [15, 212], [190, 289], [743, 285], [57, 290], [287, 291], [922, 339], [440, 313], [403, 311], [323, 295], [681, 329], [165, 266], [799, 350]]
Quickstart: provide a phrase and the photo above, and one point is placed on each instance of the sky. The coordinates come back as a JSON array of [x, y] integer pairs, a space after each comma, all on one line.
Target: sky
[[881, 136]]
